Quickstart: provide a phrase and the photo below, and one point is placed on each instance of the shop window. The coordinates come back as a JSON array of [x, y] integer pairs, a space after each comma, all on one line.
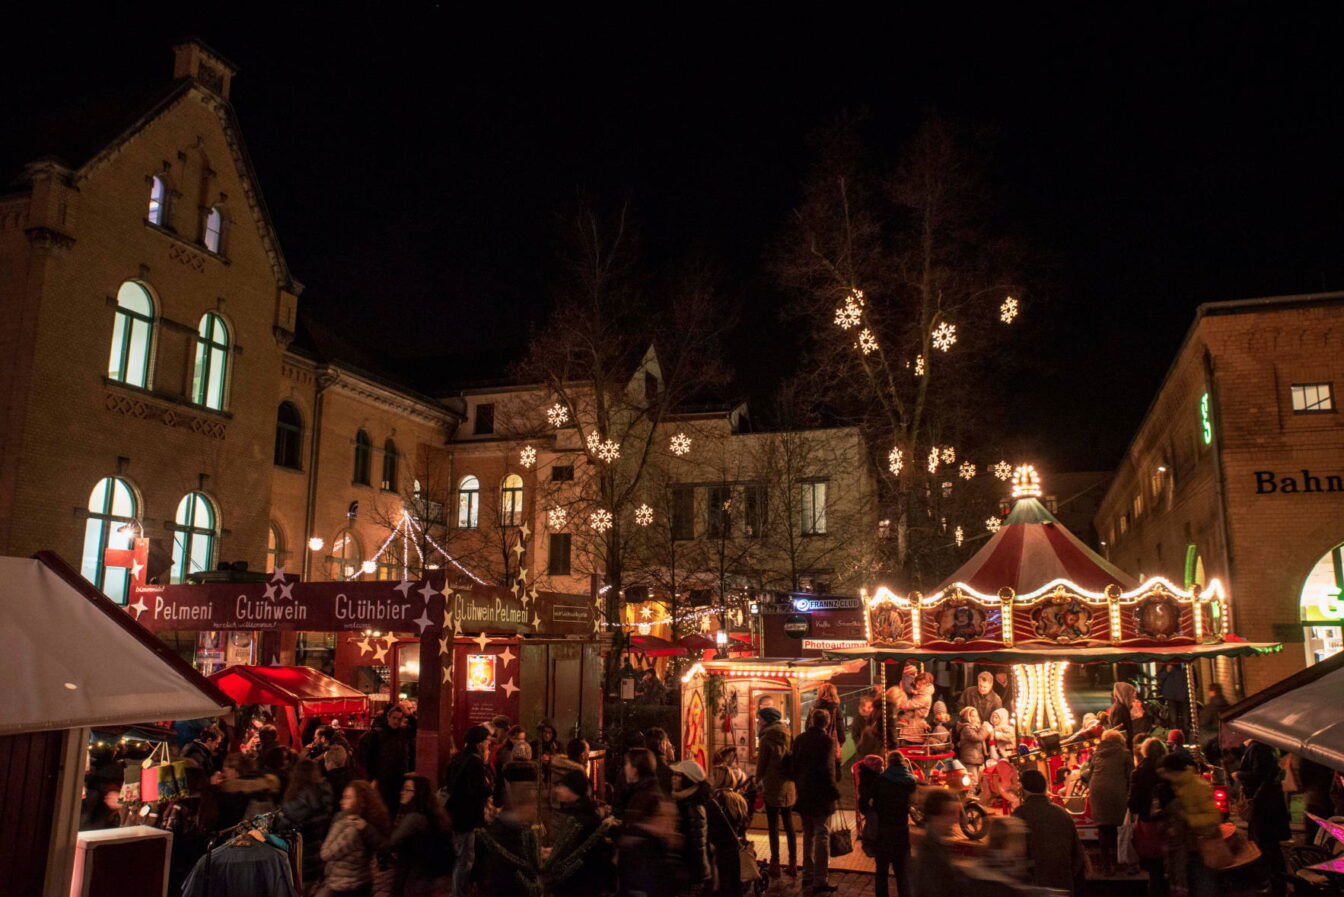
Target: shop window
[[1313, 398], [562, 473], [1322, 606], [511, 501], [469, 502], [288, 436], [753, 510], [363, 458], [813, 507], [111, 523], [683, 512], [132, 336], [390, 459], [214, 230], [195, 529], [485, 419], [158, 202], [212, 362], [719, 508], [345, 560], [557, 555]]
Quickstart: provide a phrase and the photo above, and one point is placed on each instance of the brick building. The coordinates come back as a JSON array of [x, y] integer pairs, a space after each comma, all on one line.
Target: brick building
[[1237, 472]]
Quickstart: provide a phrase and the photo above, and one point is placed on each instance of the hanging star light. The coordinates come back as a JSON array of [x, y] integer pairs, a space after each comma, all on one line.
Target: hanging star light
[[556, 518], [967, 470], [919, 365], [643, 515], [992, 524], [1003, 470], [1026, 482], [528, 456], [944, 335], [949, 454], [867, 342], [959, 535], [895, 461], [557, 415], [1008, 310], [933, 459], [681, 444], [600, 520]]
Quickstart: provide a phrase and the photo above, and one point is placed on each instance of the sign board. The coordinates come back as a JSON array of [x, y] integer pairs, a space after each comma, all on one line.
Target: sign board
[[830, 644], [797, 626], [804, 605]]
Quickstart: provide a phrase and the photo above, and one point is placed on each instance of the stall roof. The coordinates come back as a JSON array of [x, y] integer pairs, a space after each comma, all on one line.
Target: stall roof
[[776, 667], [303, 687], [1300, 714], [654, 646], [73, 658], [1043, 654]]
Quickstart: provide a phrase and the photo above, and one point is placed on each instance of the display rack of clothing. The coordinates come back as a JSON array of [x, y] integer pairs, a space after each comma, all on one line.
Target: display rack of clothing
[[256, 858]]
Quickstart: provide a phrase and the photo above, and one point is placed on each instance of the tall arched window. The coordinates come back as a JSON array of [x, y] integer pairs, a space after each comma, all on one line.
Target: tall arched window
[[390, 459], [214, 229], [212, 362], [511, 501], [394, 563], [288, 436], [275, 548], [195, 528], [132, 335], [112, 509], [158, 201], [345, 561], [363, 450], [468, 502]]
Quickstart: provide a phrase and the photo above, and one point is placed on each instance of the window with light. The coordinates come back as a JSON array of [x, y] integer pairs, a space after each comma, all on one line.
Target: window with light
[[212, 362], [511, 501], [195, 529], [214, 230], [813, 507], [132, 336], [363, 454], [158, 201], [275, 548], [390, 459], [345, 560], [468, 502], [1313, 398], [110, 524]]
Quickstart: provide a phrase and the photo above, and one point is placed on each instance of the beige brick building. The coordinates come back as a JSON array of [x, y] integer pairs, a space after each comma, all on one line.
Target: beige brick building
[[1237, 472]]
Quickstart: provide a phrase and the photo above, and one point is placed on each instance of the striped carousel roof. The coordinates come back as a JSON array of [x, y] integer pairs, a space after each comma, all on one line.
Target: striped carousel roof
[[1031, 549]]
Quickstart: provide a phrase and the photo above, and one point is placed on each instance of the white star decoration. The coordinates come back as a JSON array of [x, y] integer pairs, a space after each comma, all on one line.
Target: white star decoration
[[362, 645], [993, 524], [287, 590], [380, 654], [444, 641], [643, 515], [423, 621], [967, 470], [557, 415], [269, 593], [944, 335], [600, 520], [507, 656], [509, 687], [447, 672], [646, 612], [1003, 470], [482, 640], [428, 592], [556, 518], [278, 574], [404, 587], [139, 606], [136, 567]]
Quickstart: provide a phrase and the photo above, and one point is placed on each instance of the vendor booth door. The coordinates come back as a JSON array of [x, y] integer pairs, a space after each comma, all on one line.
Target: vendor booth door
[[562, 682], [485, 684]]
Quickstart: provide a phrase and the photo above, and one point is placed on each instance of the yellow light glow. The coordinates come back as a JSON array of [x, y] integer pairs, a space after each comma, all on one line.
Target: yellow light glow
[[1026, 482]]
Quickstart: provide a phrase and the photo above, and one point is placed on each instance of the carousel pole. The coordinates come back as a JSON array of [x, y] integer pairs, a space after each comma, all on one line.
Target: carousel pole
[[882, 699]]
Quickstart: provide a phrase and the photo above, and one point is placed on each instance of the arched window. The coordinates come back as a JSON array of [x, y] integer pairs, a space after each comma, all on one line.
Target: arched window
[[345, 561], [111, 524], [390, 458], [212, 362], [158, 201], [468, 502], [214, 229], [363, 449], [288, 436], [394, 562], [195, 528], [511, 501], [132, 335], [275, 548]]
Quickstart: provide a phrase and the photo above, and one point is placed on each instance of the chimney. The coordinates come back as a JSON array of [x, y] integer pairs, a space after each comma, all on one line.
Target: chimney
[[193, 59]]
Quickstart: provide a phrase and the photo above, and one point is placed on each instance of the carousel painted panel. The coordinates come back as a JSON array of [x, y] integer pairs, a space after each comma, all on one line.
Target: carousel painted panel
[[1062, 617], [958, 618]]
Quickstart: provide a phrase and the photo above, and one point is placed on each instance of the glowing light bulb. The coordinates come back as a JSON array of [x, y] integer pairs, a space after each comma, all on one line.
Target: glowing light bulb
[[316, 543], [1026, 482]]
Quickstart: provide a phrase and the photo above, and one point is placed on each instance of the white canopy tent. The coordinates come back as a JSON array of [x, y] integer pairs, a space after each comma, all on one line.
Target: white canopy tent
[[1301, 714]]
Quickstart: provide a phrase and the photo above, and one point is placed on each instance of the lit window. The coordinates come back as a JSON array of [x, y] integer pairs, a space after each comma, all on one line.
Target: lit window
[[394, 562], [112, 507], [132, 336], [363, 452], [345, 561], [214, 229], [288, 436], [814, 508], [194, 532], [158, 201], [212, 362], [275, 548], [390, 458], [511, 501], [468, 502], [1312, 397]]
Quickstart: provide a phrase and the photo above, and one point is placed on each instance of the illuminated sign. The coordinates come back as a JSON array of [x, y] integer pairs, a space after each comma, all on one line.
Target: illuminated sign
[[803, 605], [481, 672], [827, 644], [1205, 423]]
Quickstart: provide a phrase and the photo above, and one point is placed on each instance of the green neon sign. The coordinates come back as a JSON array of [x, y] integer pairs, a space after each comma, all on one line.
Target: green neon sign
[[1206, 425]]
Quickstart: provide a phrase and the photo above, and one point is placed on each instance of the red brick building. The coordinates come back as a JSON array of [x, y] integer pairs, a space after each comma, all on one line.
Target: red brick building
[[1237, 472]]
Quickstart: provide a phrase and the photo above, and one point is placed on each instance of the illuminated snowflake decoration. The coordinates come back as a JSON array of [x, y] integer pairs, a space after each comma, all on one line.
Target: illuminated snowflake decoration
[[608, 451], [944, 335], [527, 456], [967, 470], [643, 515], [867, 343], [557, 415], [1008, 310], [557, 518], [681, 444], [933, 459], [1003, 470], [600, 520], [848, 315], [895, 461], [594, 440], [993, 524], [949, 454], [919, 365], [959, 535]]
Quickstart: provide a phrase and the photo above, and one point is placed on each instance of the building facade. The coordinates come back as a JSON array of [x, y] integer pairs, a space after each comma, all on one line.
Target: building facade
[[1237, 473]]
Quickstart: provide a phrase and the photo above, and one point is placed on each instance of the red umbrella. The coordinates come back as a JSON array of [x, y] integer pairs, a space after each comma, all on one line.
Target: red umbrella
[[654, 646], [696, 642]]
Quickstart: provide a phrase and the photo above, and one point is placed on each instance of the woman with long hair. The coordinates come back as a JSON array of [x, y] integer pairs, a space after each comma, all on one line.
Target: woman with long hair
[[828, 699], [419, 841], [359, 830], [308, 804]]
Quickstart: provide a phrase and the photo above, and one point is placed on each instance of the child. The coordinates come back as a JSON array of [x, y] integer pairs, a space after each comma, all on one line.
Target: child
[[912, 728], [940, 736], [972, 735], [1005, 736]]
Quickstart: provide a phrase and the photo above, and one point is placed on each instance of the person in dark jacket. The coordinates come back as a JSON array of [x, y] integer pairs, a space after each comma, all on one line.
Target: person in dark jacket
[[202, 749], [468, 780], [1175, 688], [243, 791], [389, 753], [1053, 846], [935, 875], [1118, 716], [773, 771], [1148, 794], [1260, 778], [1107, 776], [419, 841], [816, 773], [309, 804], [582, 869], [337, 768], [884, 799], [981, 696], [691, 793], [828, 699], [664, 756], [646, 831]]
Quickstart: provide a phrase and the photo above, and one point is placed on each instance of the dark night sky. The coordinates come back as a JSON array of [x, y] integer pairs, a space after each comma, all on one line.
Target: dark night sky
[[417, 163]]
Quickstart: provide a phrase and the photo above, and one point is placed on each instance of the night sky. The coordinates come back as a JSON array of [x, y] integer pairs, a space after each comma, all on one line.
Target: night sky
[[419, 163]]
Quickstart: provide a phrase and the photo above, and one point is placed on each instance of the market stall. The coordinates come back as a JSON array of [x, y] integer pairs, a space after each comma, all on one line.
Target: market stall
[[297, 695], [1299, 714]]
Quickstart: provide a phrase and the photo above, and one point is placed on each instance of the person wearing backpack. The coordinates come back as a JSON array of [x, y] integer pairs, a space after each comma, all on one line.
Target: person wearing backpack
[[773, 770], [421, 841]]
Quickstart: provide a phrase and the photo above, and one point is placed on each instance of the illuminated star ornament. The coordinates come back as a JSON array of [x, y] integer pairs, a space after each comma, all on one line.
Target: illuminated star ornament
[[600, 520], [867, 343], [643, 515], [933, 459], [1008, 310], [1026, 482], [895, 461], [967, 470], [959, 535], [557, 415], [848, 315], [646, 612], [992, 524], [681, 444], [944, 335], [556, 518], [1003, 470], [528, 456], [949, 454]]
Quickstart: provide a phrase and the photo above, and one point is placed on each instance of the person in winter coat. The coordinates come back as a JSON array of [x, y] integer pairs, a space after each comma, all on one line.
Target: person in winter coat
[[202, 749], [664, 756], [935, 875], [815, 772], [576, 874], [1140, 721], [647, 830], [389, 753], [355, 835], [884, 799], [1210, 714], [920, 700], [337, 768], [972, 736], [691, 794], [419, 841], [911, 728], [1107, 775], [1148, 794], [981, 696], [1194, 811], [828, 699], [242, 791], [1118, 716], [309, 804], [1261, 778], [1053, 846], [1005, 736], [940, 736], [773, 760], [1175, 687], [470, 784], [519, 780]]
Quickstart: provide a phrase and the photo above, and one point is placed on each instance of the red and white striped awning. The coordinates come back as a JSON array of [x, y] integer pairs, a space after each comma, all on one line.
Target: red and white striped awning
[[1031, 549]]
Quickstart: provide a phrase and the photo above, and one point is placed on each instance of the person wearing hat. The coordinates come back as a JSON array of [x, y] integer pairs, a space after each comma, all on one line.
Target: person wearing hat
[[772, 770], [706, 831], [468, 780], [576, 821], [1053, 847]]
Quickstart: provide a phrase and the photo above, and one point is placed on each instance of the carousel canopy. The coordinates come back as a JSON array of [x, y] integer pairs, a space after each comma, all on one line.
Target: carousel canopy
[[1031, 549], [1233, 647]]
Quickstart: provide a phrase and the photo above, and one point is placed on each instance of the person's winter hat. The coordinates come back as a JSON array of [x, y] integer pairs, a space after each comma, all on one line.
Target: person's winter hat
[[575, 781], [501, 722], [476, 734], [769, 715], [521, 751], [691, 770]]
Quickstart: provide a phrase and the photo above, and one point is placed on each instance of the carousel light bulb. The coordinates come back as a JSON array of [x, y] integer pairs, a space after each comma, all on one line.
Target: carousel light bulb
[[527, 456], [867, 343], [993, 524], [643, 515], [600, 520], [1008, 310], [919, 365], [895, 461], [557, 517], [949, 454], [1026, 482], [680, 445], [1003, 470], [967, 470], [944, 336], [933, 459], [316, 543], [557, 415]]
